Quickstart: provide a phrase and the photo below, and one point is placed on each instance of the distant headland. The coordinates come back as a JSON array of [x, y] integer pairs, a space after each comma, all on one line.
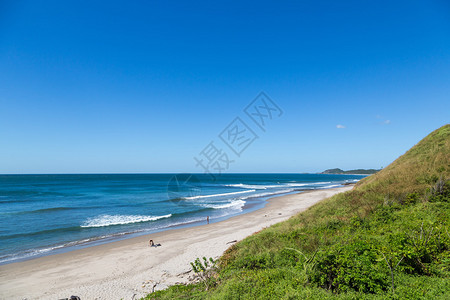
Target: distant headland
[[357, 171]]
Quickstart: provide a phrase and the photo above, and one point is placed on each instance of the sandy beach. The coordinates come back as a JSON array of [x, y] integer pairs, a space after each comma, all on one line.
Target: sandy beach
[[129, 269]]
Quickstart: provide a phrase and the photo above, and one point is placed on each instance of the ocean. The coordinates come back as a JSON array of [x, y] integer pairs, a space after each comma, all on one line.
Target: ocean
[[47, 214]]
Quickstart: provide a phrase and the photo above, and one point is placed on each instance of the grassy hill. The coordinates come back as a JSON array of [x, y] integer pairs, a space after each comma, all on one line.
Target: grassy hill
[[388, 238]]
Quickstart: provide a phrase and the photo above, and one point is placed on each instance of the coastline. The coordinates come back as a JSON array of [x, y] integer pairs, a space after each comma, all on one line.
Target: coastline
[[130, 268]]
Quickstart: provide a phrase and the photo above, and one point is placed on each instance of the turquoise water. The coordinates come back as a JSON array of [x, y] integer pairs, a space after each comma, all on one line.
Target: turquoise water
[[46, 214]]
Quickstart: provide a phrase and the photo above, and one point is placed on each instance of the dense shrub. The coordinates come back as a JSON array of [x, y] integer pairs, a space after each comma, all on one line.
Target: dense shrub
[[440, 192], [254, 262], [353, 266]]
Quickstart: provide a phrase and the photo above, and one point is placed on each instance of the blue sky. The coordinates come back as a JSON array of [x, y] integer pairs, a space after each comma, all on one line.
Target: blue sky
[[111, 86]]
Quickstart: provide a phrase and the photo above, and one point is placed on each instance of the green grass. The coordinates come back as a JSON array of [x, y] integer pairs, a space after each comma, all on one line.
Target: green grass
[[342, 247]]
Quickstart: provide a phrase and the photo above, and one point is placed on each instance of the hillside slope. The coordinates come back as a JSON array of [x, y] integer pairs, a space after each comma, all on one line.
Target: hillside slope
[[414, 171], [388, 238]]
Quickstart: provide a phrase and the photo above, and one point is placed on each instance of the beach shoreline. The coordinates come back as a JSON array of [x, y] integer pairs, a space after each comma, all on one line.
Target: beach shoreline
[[130, 268]]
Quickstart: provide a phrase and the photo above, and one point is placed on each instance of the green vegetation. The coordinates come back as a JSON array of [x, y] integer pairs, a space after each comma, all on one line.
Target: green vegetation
[[388, 238], [357, 171], [205, 270]]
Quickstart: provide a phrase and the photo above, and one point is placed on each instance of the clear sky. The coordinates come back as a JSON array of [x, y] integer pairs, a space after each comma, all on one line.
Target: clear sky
[[145, 86]]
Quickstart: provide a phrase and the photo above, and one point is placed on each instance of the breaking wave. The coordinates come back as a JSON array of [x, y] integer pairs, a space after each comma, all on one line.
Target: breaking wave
[[111, 220], [233, 204], [217, 195]]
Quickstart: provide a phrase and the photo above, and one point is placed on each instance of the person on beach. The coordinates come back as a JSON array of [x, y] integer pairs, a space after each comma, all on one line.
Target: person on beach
[[152, 244], [207, 219]]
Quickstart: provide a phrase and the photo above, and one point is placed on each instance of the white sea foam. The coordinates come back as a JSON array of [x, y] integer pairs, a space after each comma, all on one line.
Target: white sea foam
[[233, 204], [217, 195], [110, 220], [296, 184], [272, 186], [250, 186], [332, 186], [182, 222], [268, 194], [38, 252], [26, 254]]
